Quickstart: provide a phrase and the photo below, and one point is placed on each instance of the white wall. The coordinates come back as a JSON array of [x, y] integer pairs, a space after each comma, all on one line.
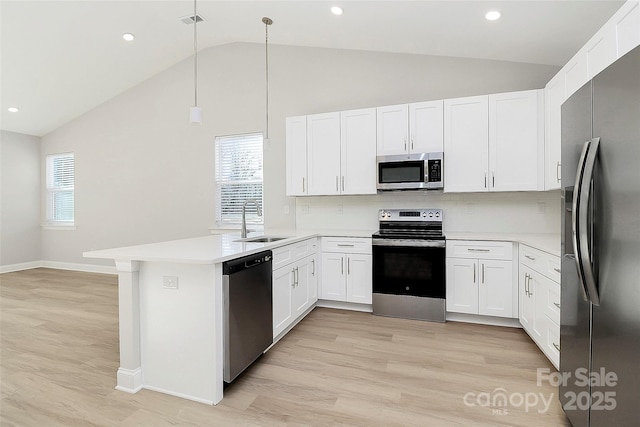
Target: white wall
[[143, 174], [20, 199]]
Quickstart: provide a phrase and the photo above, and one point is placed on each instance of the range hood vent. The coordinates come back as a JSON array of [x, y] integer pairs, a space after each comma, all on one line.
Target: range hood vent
[[191, 19]]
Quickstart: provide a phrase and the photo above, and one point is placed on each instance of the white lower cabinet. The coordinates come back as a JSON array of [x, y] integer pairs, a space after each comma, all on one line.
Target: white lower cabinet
[[346, 270], [483, 286], [539, 291], [295, 284]]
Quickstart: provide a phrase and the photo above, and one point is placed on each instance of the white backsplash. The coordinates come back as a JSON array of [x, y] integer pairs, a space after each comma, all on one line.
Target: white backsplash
[[517, 212]]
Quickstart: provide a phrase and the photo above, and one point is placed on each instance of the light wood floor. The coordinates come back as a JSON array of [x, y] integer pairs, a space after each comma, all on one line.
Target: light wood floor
[[59, 358]]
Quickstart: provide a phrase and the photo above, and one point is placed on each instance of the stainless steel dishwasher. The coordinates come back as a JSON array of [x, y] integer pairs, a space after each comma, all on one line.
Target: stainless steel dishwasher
[[248, 311]]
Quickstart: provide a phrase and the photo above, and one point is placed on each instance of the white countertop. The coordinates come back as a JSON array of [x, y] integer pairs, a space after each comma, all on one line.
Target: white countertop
[[198, 250], [545, 242], [223, 247]]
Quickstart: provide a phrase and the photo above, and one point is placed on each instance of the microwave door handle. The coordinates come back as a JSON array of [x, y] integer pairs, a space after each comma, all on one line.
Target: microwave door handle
[[575, 236], [583, 218]]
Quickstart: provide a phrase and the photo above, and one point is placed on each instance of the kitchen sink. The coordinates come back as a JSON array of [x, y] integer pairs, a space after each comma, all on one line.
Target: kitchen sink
[[261, 239]]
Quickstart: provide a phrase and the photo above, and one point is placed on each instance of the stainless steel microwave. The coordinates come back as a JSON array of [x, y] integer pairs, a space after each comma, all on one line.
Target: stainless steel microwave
[[421, 171]]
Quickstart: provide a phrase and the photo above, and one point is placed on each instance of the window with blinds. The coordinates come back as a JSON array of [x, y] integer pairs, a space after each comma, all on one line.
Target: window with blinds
[[238, 177], [60, 171]]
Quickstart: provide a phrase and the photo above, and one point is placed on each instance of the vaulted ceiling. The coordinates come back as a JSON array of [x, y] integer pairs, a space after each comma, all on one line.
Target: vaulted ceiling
[[60, 59]]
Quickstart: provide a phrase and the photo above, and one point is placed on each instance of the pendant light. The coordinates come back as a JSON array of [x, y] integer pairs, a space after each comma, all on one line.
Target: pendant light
[[195, 112], [266, 21]]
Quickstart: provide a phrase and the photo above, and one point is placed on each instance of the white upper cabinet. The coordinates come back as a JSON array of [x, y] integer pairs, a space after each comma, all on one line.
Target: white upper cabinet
[[332, 153], [554, 96], [627, 25], [466, 142], [426, 128], [296, 155], [323, 153], [358, 154], [601, 50], [494, 142], [516, 141], [576, 73], [392, 129], [410, 128]]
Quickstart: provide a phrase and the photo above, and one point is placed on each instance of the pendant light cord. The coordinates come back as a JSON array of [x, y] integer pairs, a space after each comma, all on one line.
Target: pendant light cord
[[267, 22], [195, 51]]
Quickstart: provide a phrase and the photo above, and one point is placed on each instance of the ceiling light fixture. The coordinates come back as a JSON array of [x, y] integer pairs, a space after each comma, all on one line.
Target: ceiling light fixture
[[336, 10], [266, 21], [128, 37], [493, 15], [13, 109], [195, 112]]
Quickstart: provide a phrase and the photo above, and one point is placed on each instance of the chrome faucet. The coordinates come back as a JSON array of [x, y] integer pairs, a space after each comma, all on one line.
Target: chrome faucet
[[243, 231]]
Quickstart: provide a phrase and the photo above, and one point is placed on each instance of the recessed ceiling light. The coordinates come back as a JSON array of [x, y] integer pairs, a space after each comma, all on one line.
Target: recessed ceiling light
[[493, 15], [13, 109], [336, 10], [128, 37]]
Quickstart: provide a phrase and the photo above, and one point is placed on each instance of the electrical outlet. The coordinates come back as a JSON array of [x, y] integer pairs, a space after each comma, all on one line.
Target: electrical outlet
[[340, 209], [542, 207], [304, 209], [286, 209], [170, 282]]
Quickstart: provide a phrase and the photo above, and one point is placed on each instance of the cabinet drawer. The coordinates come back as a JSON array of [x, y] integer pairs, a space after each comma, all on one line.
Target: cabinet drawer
[[290, 253], [353, 245], [543, 262], [552, 301], [479, 249]]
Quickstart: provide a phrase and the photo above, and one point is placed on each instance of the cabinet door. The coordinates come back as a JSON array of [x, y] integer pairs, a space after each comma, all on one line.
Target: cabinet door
[[358, 151], [359, 278], [426, 127], [628, 27], [300, 293], [323, 153], [392, 129], [601, 50], [516, 141], [536, 292], [296, 148], [466, 139], [333, 277], [554, 97], [462, 285], [525, 300], [282, 291], [576, 73], [495, 295], [313, 280]]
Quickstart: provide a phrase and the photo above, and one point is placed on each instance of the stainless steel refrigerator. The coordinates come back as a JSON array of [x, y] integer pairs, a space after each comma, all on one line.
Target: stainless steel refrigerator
[[600, 305]]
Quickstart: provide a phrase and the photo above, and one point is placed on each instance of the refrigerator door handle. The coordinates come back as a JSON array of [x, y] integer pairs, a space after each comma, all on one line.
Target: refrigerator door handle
[[575, 218], [583, 218]]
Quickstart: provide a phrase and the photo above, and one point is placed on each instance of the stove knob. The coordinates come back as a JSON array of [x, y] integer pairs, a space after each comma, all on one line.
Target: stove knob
[[437, 214], [430, 214], [424, 214]]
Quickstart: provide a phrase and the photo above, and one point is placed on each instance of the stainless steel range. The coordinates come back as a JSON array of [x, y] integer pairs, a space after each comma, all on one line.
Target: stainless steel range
[[409, 264]]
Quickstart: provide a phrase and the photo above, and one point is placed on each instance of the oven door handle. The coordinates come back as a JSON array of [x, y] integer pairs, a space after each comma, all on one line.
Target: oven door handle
[[409, 243]]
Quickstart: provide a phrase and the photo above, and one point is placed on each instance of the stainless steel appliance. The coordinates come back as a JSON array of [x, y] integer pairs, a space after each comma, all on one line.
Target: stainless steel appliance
[[600, 288], [248, 312], [410, 172], [409, 264]]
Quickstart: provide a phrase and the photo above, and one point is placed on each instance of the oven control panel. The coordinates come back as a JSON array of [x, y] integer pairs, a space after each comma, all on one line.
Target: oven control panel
[[421, 215]]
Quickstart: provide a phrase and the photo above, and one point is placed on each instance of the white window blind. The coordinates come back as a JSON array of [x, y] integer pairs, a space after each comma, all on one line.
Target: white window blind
[[238, 177], [60, 189]]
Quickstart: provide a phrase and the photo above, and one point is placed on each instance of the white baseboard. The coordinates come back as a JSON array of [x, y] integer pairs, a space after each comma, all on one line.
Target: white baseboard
[[483, 320], [19, 267], [87, 268]]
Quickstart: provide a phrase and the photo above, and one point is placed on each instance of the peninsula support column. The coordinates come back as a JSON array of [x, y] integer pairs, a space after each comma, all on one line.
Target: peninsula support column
[[130, 370]]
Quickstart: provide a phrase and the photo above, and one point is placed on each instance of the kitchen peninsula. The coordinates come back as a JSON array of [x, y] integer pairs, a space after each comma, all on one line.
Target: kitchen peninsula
[[171, 312]]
